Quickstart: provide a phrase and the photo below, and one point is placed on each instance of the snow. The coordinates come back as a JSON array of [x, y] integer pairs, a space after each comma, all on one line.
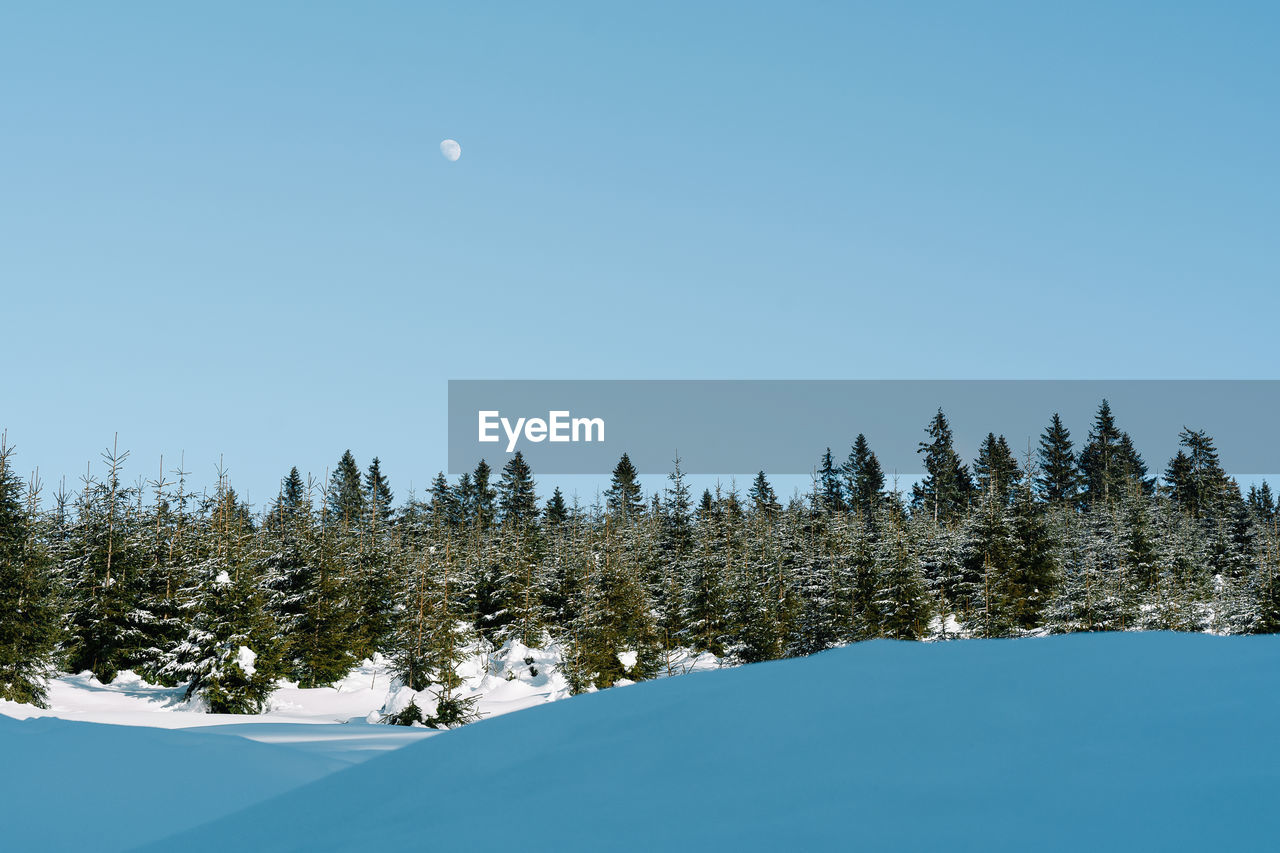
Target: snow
[[83, 787], [222, 579], [244, 659], [1090, 741], [510, 678]]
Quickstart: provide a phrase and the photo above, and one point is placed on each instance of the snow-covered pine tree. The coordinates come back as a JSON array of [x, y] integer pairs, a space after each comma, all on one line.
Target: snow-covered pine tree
[[230, 658], [901, 602], [946, 490], [522, 586], [615, 635], [1096, 592], [1177, 598], [714, 553], [984, 596], [372, 575], [166, 531], [1031, 585], [312, 600], [821, 614], [28, 604], [432, 636], [103, 635], [673, 521], [942, 550]]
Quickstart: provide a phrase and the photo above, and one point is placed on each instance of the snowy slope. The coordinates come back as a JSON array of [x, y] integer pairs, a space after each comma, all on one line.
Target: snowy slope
[[82, 786], [1121, 741]]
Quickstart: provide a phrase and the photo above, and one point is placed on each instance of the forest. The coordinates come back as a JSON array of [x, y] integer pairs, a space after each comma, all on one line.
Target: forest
[[200, 589]]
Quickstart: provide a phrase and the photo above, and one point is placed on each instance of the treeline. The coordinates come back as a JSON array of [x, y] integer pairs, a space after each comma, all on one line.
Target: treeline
[[198, 589]]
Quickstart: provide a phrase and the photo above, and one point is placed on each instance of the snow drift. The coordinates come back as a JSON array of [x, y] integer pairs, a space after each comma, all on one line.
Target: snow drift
[[1115, 741], [86, 786]]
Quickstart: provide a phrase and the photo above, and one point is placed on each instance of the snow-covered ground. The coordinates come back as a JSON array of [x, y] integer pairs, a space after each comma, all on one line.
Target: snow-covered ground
[[1081, 742], [1098, 741], [126, 782], [501, 680]]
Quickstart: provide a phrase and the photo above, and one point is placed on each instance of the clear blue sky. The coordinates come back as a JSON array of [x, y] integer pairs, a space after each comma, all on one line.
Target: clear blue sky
[[229, 231]]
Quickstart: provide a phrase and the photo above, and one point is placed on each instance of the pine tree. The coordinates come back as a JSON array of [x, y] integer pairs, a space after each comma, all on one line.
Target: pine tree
[[230, 657], [943, 554], [28, 614], [901, 603], [1030, 586], [104, 635], [556, 512], [446, 503], [483, 565], [864, 479], [946, 490], [672, 557], [346, 494], [624, 498], [1195, 479], [522, 586], [614, 636], [830, 494], [996, 470], [1059, 481], [167, 573], [517, 498], [1262, 503], [482, 507], [763, 499], [1109, 463], [705, 569], [378, 498], [992, 563], [431, 640]]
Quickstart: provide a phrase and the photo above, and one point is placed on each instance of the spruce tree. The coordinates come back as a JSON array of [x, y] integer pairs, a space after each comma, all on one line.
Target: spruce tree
[[1109, 463], [864, 479], [706, 567], [346, 494], [28, 614], [104, 634], [763, 499], [230, 657], [901, 603], [482, 509], [378, 498], [1059, 480], [556, 512], [996, 470], [614, 635], [830, 495], [517, 498], [522, 585], [1262, 503], [946, 490], [446, 503], [624, 498], [674, 519]]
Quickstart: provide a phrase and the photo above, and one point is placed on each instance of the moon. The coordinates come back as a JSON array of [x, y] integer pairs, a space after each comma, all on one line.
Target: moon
[[451, 150]]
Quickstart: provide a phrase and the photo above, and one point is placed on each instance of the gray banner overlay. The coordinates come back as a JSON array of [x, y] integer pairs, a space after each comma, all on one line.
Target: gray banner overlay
[[783, 426]]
